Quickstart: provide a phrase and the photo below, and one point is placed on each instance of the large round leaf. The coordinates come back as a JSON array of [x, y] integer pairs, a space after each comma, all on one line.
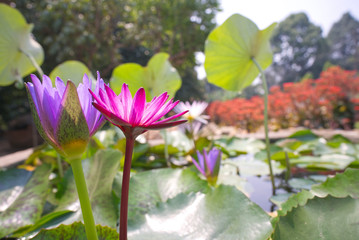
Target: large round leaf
[[100, 172], [222, 213], [75, 231], [229, 51], [28, 206], [71, 70], [342, 185], [321, 218], [157, 77], [12, 184], [152, 187], [15, 40]]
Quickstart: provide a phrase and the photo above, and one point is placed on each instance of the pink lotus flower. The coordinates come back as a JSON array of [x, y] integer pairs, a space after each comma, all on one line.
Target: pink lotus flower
[[208, 164], [64, 115], [135, 116]]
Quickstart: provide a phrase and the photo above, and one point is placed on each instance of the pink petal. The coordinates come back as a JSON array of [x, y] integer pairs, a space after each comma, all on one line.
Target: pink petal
[[126, 99], [164, 125], [114, 101], [98, 100], [172, 117], [153, 108], [138, 106], [110, 116]]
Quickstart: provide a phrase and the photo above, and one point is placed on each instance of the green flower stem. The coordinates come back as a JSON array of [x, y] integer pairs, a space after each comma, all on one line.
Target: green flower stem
[[84, 199], [287, 165], [192, 133], [59, 165], [130, 142], [33, 61], [264, 82], [167, 157]]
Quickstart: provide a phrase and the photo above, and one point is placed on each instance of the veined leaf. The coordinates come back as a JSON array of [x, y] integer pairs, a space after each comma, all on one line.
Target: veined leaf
[[157, 77], [71, 70], [229, 51]]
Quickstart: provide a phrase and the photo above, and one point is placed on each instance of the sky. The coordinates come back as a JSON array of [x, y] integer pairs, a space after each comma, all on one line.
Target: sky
[[323, 13], [264, 12]]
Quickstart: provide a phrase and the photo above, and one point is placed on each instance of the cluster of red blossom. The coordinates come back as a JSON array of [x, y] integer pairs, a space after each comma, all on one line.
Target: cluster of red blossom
[[330, 101]]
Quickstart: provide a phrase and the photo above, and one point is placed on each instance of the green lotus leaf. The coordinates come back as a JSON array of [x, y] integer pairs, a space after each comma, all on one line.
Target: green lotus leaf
[[71, 70], [75, 231], [320, 218], [221, 213], [15, 43], [229, 51], [157, 77], [152, 187], [28, 206], [100, 172], [342, 185]]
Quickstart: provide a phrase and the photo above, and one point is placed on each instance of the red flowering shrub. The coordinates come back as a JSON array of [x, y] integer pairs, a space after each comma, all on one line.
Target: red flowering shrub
[[311, 103]]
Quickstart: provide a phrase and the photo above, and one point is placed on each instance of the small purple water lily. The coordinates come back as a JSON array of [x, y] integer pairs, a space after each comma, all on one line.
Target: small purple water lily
[[208, 164], [64, 115]]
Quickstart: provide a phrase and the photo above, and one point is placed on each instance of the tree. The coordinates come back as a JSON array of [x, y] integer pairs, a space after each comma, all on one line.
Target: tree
[[103, 34], [298, 48], [343, 40]]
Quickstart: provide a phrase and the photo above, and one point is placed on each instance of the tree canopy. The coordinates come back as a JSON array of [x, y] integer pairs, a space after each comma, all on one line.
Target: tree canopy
[[103, 34], [343, 40], [299, 47]]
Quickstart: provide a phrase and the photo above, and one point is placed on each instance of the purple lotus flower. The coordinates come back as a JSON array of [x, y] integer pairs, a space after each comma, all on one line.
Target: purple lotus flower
[[135, 116], [208, 164], [64, 115]]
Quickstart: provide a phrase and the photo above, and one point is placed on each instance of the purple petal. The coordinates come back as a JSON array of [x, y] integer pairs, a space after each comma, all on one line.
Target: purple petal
[[201, 161], [98, 124], [212, 159], [47, 83], [60, 86], [31, 89], [39, 90], [198, 167]]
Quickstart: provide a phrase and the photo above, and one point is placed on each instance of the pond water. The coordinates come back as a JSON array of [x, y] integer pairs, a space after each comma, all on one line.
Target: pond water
[[262, 191]]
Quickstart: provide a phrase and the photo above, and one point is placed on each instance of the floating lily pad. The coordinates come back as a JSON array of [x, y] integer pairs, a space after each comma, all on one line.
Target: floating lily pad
[[324, 162], [221, 213], [152, 187], [321, 218], [99, 172], [12, 184], [75, 231], [28, 206]]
